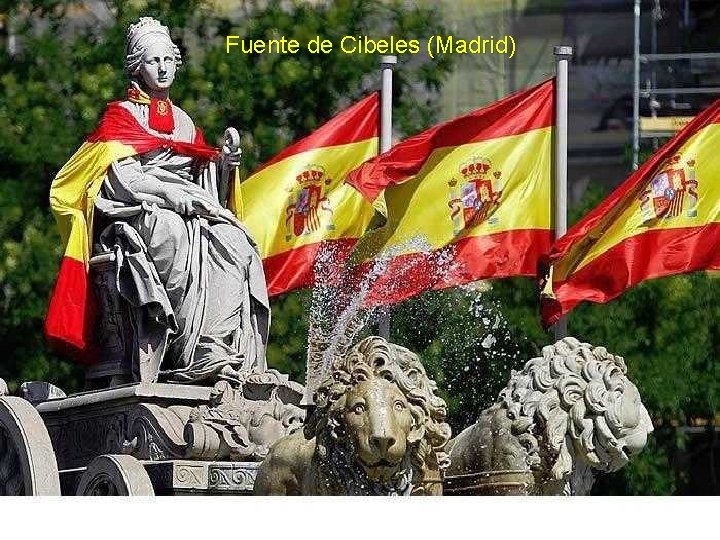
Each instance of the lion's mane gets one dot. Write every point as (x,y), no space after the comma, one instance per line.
(571,395)
(375,357)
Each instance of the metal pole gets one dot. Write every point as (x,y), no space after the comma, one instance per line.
(653,102)
(636,91)
(386,66)
(562,60)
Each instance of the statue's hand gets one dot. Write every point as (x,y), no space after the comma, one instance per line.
(179,201)
(231,156)
(231,152)
(184,203)
(203,208)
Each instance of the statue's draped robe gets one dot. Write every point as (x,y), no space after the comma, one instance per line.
(196,284)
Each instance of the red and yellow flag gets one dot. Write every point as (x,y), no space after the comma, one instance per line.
(663,220)
(479,183)
(298,200)
(69,320)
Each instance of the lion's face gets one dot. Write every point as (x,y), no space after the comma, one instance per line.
(379,426)
(632,423)
(614,424)
(378,421)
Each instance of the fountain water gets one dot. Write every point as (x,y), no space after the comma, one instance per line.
(345,297)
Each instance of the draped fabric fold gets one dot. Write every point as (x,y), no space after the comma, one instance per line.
(194,280)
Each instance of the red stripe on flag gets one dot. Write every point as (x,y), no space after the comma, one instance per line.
(71,313)
(119,125)
(357,123)
(649,255)
(498,255)
(294,269)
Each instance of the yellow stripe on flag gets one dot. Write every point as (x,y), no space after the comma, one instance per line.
(435,204)
(73,193)
(275,197)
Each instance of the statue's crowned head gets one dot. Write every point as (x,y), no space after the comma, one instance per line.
(151,56)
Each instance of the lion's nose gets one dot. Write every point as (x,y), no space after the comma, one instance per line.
(382,443)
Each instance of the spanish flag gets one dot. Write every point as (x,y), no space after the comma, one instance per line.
(663,220)
(70,316)
(479,184)
(298,200)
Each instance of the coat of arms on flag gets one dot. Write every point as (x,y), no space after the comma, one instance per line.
(308,200)
(297,202)
(672,191)
(446,198)
(475,197)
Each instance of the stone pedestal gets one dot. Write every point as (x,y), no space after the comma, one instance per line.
(143,420)
(171,477)
(168,438)
(180,477)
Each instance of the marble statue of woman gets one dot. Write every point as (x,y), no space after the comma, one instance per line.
(184,262)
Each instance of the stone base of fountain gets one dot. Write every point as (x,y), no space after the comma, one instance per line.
(125,475)
(490,483)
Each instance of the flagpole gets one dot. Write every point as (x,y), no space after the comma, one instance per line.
(562,61)
(636,88)
(386,68)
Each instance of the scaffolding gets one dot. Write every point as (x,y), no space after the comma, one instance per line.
(650,127)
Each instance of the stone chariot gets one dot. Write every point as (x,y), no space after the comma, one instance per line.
(143,439)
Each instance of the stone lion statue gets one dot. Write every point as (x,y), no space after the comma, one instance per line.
(566,414)
(378,429)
